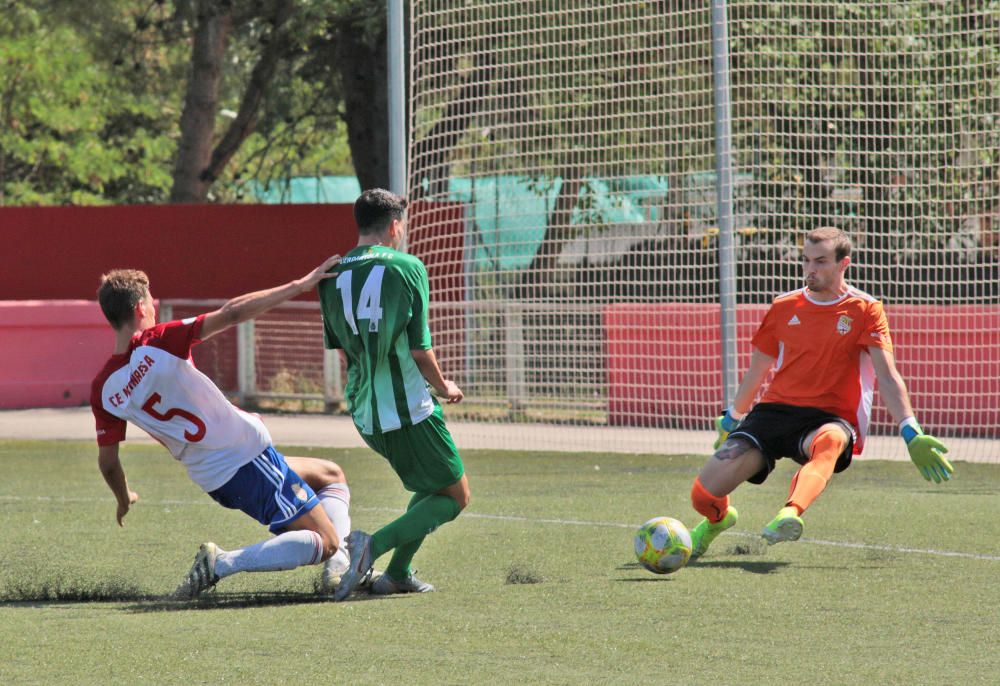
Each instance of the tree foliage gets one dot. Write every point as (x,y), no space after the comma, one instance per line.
(70,131)
(896,100)
(113,101)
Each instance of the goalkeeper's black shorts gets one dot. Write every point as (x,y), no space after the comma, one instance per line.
(779,431)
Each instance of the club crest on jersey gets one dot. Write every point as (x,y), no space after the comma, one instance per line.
(844,324)
(300,493)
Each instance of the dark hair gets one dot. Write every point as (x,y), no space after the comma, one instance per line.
(375,209)
(120,291)
(841,241)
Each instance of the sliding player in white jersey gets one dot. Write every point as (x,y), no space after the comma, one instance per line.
(151,381)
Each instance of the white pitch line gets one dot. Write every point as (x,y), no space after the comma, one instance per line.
(900,549)
(109,499)
(813,541)
(561,522)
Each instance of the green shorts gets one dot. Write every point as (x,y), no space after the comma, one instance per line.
(423,455)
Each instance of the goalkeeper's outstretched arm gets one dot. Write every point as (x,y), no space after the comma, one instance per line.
(926,451)
(760,365)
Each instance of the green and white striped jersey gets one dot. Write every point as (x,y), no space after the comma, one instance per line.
(376,310)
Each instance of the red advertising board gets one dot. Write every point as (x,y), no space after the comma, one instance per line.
(664,364)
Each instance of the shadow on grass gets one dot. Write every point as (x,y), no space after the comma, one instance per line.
(62,592)
(752,566)
(229,601)
(39,591)
(646,574)
(152,603)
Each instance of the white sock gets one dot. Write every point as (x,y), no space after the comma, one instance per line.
(287,551)
(336,502)
(339,562)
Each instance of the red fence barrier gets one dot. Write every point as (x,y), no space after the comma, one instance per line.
(665,369)
(50,351)
(53,337)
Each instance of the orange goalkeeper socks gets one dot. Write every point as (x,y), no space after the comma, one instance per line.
(812,478)
(712,506)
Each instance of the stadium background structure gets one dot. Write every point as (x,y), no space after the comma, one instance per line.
(878,117)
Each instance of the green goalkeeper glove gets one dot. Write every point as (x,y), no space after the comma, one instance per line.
(926,452)
(724,424)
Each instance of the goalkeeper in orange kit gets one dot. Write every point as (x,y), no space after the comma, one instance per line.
(828,343)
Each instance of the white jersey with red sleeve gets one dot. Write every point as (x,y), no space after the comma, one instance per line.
(155,385)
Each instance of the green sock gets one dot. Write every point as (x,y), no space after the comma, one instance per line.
(402,555)
(399,564)
(426,512)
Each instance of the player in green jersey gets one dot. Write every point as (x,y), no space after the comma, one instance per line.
(375,309)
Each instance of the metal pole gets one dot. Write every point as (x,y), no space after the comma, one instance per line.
(397,99)
(333,387)
(246,361)
(471,228)
(724,198)
(514,357)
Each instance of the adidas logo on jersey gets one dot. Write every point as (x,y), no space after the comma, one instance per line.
(794,321)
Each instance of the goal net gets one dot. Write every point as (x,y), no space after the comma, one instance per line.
(576,290)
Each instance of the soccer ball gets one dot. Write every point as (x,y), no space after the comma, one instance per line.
(662,545)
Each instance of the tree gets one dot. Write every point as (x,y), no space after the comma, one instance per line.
(357,56)
(897,100)
(197,163)
(226,94)
(315,65)
(69,131)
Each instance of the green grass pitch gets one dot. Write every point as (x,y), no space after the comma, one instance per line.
(896,581)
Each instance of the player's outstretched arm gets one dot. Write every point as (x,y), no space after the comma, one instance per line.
(428,365)
(114,476)
(250,305)
(926,452)
(760,365)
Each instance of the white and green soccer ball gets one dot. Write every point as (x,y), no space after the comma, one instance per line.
(663,545)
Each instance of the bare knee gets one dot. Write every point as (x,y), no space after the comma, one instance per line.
(329,473)
(459,491)
(318,522)
(335,473)
(734,462)
(317,472)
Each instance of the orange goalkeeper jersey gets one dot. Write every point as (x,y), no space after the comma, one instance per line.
(822,353)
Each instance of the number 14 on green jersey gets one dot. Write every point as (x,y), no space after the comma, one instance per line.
(369,300)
